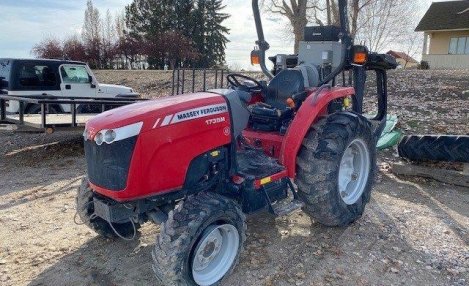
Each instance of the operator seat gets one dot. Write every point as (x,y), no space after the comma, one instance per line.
(274,113)
(283,86)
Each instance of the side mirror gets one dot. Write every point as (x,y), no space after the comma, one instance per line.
(91,82)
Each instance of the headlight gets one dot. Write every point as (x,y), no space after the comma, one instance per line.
(99,138)
(110,136)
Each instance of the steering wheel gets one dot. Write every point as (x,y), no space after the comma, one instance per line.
(234,80)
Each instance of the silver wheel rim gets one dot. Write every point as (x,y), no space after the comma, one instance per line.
(354,171)
(215,254)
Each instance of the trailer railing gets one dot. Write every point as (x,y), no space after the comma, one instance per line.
(195,80)
(40,121)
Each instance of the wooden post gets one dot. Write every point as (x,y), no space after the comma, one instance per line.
(21,112)
(3,109)
(74,114)
(43,115)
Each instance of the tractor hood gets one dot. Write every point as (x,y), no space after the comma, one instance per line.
(158,113)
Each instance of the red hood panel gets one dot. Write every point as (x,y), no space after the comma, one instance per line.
(150,111)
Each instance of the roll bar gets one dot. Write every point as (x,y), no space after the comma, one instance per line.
(261,42)
(264,45)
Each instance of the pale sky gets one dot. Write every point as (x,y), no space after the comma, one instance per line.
(26,22)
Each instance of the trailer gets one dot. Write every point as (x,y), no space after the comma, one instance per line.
(48,122)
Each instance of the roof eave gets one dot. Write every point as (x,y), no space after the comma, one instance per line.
(441,30)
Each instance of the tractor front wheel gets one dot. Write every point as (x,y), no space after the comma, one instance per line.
(201,241)
(336,167)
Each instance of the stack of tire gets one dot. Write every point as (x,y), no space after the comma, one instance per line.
(449,148)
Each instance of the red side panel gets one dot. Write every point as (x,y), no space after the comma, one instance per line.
(309,112)
(166,155)
(271,142)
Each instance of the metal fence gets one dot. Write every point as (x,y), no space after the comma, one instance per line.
(195,80)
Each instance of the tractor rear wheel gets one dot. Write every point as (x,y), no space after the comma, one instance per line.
(201,241)
(336,167)
(85,210)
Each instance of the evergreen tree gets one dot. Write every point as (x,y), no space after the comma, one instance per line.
(214,34)
(198,22)
(199,31)
(182,17)
(145,21)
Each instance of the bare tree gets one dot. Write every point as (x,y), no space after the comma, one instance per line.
(356,8)
(301,12)
(296,11)
(375,23)
(49,48)
(91,34)
(128,48)
(333,16)
(411,44)
(385,22)
(108,41)
(73,49)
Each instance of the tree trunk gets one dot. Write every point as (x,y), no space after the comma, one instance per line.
(172,64)
(354,18)
(335,13)
(299,36)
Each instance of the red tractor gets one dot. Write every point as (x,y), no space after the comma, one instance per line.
(198,163)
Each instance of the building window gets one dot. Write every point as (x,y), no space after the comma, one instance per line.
(459,46)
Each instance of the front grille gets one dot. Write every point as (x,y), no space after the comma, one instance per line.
(108,164)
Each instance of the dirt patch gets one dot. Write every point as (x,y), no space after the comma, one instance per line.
(413,232)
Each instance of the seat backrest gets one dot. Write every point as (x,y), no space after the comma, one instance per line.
(310,75)
(283,86)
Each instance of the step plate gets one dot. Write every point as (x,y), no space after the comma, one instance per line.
(283,209)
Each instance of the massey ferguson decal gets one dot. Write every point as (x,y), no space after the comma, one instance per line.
(191,114)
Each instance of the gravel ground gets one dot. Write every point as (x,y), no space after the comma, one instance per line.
(414,231)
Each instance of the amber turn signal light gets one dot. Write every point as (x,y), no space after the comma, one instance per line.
(360,55)
(291,103)
(255,58)
(360,58)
